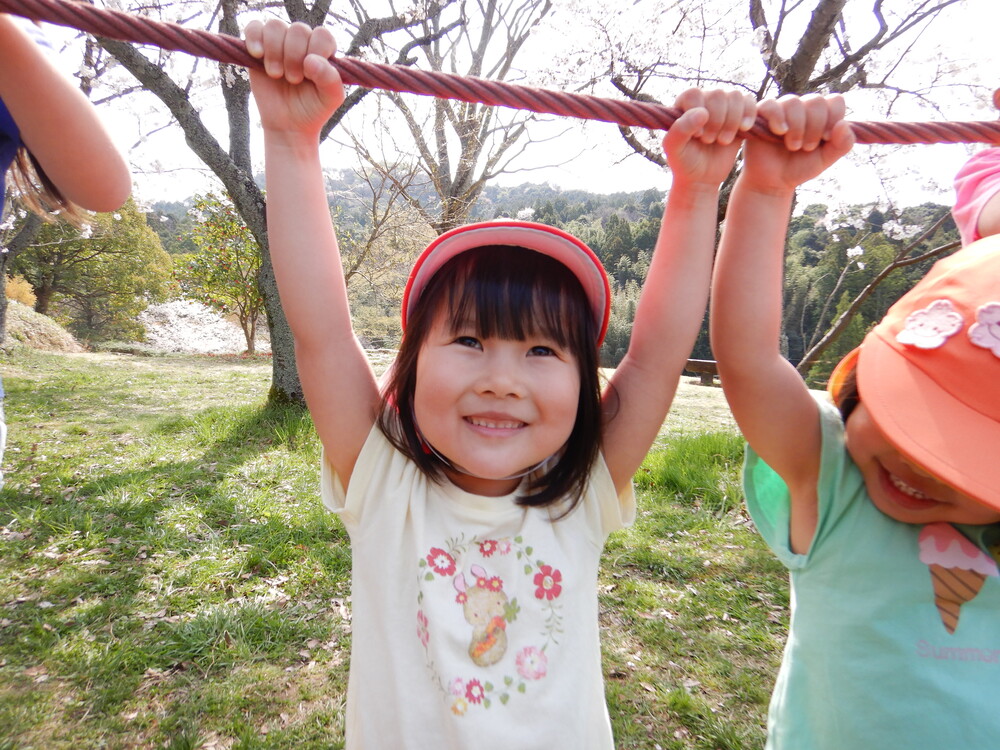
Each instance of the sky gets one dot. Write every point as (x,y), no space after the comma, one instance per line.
(921,172)
(591,155)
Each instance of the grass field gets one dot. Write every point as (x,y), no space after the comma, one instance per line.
(170,579)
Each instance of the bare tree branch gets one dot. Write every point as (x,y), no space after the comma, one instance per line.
(901,260)
(462,145)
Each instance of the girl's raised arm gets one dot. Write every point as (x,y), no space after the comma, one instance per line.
(59,125)
(296,95)
(701,147)
(768,397)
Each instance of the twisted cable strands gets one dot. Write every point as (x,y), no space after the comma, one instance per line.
(226,49)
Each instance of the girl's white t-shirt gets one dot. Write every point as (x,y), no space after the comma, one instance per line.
(474,621)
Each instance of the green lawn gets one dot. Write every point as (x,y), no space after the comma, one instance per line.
(172,581)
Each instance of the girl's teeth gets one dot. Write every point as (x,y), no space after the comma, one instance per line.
(495,425)
(902,486)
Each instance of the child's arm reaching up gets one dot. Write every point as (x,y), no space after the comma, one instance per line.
(768,398)
(58,124)
(701,147)
(296,96)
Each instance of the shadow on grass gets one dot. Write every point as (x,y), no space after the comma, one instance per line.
(122,580)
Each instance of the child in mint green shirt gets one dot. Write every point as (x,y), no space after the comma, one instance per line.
(885,504)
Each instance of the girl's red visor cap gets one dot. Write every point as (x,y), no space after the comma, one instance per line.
(563,247)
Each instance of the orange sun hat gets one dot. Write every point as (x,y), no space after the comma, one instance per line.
(929,372)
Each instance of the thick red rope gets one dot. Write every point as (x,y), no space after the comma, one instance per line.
(227,49)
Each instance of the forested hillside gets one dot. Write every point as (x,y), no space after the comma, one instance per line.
(833,256)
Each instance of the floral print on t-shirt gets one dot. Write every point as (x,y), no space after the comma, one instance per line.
(505,654)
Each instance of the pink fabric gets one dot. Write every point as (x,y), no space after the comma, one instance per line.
(975,184)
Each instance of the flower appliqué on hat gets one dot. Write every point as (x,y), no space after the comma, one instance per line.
(931,327)
(985,332)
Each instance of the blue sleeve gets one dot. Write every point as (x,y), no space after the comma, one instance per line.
(10,142)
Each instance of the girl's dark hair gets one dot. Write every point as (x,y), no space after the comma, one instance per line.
(847,397)
(510,293)
(36,192)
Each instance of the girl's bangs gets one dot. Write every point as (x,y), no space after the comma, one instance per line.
(513,293)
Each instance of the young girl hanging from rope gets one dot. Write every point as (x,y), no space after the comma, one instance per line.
(479,484)
(51,142)
(885,506)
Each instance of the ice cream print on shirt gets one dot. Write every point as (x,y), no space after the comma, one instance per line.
(958,569)
(468,595)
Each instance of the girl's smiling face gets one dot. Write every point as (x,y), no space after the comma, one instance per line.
(901,489)
(493,406)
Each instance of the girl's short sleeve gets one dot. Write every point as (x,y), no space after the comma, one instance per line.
(837,487)
(616,510)
(769,504)
(375,459)
(975,184)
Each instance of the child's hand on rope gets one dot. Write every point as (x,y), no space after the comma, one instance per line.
(299,89)
(702,144)
(815,135)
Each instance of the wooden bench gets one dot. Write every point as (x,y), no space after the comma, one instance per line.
(705,369)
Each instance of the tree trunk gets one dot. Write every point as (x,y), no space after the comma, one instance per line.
(43,296)
(237,179)
(249,326)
